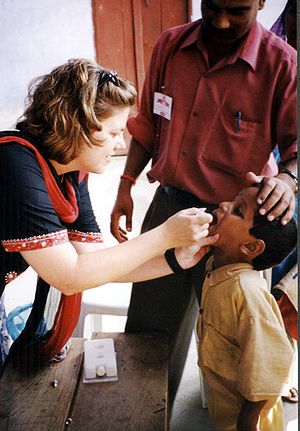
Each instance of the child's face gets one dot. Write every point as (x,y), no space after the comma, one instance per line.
(232,221)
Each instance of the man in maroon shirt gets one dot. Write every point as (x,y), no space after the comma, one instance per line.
(219,95)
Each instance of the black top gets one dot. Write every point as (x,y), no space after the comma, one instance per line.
(28,218)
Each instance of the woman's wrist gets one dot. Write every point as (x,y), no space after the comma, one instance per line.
(172,261)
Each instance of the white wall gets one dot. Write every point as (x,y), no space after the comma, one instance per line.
(36,36)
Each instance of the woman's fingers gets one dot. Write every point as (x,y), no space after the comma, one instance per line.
(187,227)
(209,240)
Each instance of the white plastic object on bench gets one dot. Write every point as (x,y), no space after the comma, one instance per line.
(100,363)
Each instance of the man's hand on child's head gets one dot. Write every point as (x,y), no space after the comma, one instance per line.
(275,197)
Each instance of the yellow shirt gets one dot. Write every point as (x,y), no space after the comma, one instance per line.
(243,347)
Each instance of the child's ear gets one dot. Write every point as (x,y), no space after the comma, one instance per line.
(253,248)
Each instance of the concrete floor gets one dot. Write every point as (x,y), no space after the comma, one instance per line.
(188,413)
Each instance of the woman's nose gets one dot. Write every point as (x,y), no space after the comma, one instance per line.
(120,144)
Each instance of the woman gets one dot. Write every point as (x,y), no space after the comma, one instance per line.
(76,116)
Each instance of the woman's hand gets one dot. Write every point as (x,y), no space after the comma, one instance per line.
(185,228)
(189,256)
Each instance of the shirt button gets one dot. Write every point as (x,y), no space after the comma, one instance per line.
(196,114)
(184,152)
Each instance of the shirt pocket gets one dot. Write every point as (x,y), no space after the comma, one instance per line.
(219,354)
(235,142)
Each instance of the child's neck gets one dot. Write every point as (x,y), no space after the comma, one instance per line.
(220,260)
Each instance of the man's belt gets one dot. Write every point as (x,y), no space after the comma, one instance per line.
(187,199)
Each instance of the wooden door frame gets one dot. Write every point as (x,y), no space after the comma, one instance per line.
(131,13)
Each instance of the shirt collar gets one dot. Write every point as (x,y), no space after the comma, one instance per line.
(248,51)
(250,48)
(194,36)
(215,276)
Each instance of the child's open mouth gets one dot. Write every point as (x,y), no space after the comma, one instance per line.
(214,222)
(215,218)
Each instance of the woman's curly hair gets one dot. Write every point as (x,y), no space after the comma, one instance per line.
(66,106)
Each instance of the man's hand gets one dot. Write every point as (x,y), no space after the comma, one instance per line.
(136,161)
(276,197)
(123,206)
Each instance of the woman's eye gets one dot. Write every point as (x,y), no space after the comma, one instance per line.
(116,135)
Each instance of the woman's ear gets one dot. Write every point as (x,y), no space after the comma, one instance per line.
(253,248)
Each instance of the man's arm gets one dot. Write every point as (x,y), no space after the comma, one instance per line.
(137,160)
(277,195)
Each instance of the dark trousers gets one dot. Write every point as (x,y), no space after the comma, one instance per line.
(169,304)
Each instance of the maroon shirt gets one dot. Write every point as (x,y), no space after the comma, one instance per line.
(204,148)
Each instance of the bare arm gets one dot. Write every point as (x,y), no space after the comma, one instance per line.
(158,267)
(137,159)
(87,247)
(63,267)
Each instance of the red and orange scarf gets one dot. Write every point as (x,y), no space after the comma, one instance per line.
(67,210)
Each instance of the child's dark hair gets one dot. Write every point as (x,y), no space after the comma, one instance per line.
(280,240)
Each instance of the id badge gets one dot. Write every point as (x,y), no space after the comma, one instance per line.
(162,105)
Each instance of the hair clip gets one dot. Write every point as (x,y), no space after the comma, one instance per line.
(108,75)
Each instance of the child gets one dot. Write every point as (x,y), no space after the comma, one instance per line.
(244,352)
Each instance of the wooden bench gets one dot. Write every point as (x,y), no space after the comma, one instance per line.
(137,401)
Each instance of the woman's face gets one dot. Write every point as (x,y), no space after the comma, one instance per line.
(96,158)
